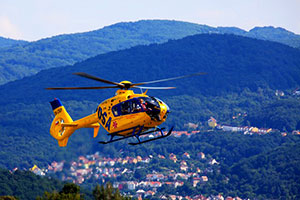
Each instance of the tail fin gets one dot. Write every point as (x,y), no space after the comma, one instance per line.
(62,126)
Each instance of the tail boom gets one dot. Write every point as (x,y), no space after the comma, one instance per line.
(63,126)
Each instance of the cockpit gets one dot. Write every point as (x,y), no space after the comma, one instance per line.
(149,105)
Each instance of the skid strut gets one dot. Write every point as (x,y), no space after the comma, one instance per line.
(137,132)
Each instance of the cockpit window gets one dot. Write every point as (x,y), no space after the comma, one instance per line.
(135,105)
(127,107)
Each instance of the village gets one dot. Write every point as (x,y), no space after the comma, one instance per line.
(119,171)
(101,169)
(122,171)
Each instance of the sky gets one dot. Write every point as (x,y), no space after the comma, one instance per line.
(32,20)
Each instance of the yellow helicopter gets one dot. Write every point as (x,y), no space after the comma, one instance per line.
(123,116)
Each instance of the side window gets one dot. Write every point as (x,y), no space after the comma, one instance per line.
(135,105)
(115,110)
(127,107)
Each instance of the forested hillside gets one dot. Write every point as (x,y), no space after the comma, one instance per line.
(6,42)
(268,175)
(242,75)
(275,34)
(232,64)
(19,61)
(262,167)
(29,58)
(25,184)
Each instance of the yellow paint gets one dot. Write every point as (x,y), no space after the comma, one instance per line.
(63,126)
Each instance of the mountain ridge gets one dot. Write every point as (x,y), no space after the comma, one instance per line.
(7,42)
(24,60)
(226,56)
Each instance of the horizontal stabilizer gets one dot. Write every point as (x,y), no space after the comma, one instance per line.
(69,124)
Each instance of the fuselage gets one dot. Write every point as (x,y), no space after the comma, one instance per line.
(126,110)
(122,115)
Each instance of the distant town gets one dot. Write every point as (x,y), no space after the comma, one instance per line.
(92,169)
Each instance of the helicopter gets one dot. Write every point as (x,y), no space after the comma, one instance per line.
(125,115)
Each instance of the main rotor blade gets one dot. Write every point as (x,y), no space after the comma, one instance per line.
(155,88)
(85,75)
(169,79)
(80,88)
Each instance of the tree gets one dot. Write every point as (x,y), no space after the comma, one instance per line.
(70,191)
(107,193)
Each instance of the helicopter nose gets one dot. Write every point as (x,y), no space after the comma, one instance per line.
(165,110)
(168,108)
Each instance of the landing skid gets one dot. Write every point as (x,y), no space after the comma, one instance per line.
(137,132)
(152,139)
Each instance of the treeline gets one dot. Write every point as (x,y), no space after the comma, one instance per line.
(27,186)
(72,191)
(6,42)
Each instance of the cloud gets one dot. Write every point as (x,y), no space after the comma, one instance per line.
(8,29)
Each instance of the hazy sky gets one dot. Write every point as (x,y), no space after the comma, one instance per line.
(36,19)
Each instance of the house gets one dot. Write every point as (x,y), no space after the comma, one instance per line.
(203,179)
(57,166)
(146,160)
(173,157)
(279,93)
(184,168)
(229,128)
(139,158)
(179,133)
(140,192)
(296,92)
(155,184)
(111,162)
(212,122)
(149,193)
(181,175)
(79,180)
(131,185)
(172,197)
(199,197)
(213,162)
(196,180)
(186,155)
(201,155)
(183,163)
(296,132)
(152,177)
(191,125)
(283,134)
(198,170)
(37,171)
(219,197)
(195,132)
(178,183)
